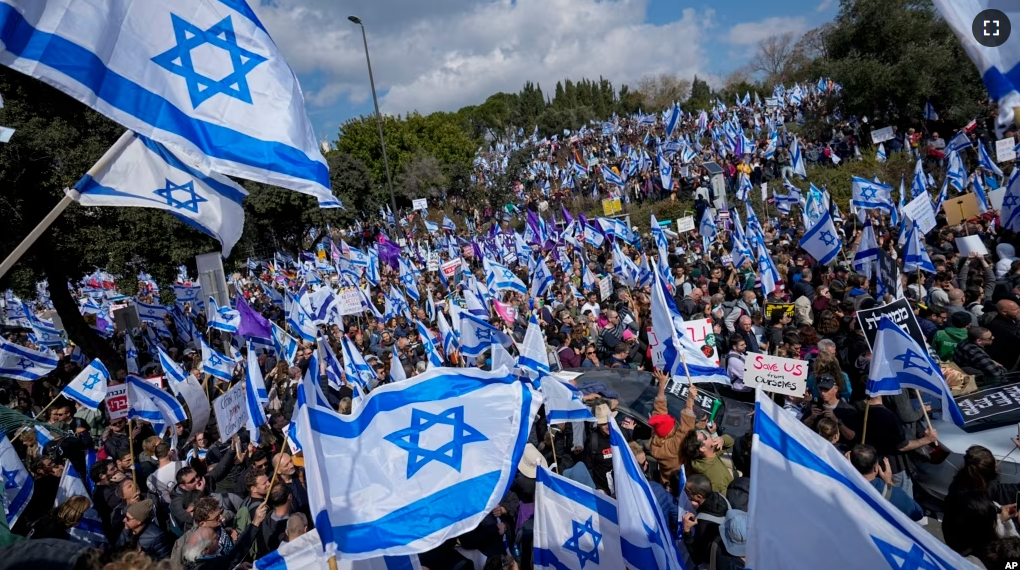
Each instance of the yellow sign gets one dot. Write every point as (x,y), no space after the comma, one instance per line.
(611,206)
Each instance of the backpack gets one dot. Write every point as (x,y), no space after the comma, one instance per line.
(727,309)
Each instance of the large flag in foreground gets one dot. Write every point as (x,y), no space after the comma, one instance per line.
(802,483)
(203,78)
(576,528)
(418,462)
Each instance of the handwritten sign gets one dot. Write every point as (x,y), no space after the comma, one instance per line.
(605,288)
(919,209)
(703,336)
(784,307)
(348,301)
(1005,149)
(776,374)
(433,263)
(231,411)
(882,135)
(117,402)
(420,204)
(901,314)
(685,224)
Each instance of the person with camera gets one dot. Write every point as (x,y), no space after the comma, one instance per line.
(830,405)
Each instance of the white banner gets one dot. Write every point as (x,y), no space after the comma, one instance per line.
(1005,149)
(685,224)
(882,135)
(703,336)
(231,411)
(776,374)
(348,301)
(919,210)
(420,204)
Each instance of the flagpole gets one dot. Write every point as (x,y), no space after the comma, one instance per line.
(70,195)
(924,410)
(47,406)
(131,448)
(864,434)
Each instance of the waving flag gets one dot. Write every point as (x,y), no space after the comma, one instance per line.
(899,362)
(611,177)
(477,335)
(397,373)
(929,112)
(90,527)
(449,338)
(159,408)
(744,187)
(563,402)
(299,320)
(533,360)
(986,162)
(131,354)
(822,240)
(959,142)
(679,356)
(868,194)
(243,117)
(802,482)
(881,156)
(645,539)
(797,158)
(334,367)
(542,279)
(665,172)
(1010,214)
(382,481)
(956,172)
(707,229)
(255,395)
(215,363)
(915,256)
(46,334)
(448,224)
(429,345)
(18,484)
(357,368)
(867,251)
(223,318)
(576,528)
(766,270)
(979,193)
(23,363)
(286,346)
(140,172)
(89,387)
(499,277)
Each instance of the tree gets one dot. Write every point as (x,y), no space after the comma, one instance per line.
(773,57)
(422,177)
(660,91)
(701,95)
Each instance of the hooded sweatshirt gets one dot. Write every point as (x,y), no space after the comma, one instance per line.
(945,341)
(1007,254)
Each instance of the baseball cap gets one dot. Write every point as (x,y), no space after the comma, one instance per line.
(825,382)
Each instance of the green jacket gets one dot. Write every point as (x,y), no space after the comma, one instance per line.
(945,341)
(714,468)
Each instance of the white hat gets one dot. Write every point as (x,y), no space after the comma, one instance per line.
(530,461)
(602,414)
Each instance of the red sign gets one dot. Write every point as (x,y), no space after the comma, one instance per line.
(117,402)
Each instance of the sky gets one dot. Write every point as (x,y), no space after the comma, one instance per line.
(441,55)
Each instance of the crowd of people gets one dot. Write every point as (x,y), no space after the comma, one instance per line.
(186,499)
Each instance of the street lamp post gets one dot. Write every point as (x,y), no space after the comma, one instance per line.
(378,116)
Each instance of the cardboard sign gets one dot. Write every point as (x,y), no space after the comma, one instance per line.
(420,204)
(1005,150)
(117,402)
(450,268)
(968,244)
(784,307)
(961,208)
(348,301)
(231,411)
(433,263)
(605,288)
(989,402)
(685,224)
(882,135)
(901,314)
(703,336)
(611,206)
(776,374)
(919,210)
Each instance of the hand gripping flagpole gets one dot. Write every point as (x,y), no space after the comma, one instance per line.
(71,195)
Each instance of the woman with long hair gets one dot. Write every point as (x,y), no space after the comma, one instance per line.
(980,472)
(58,522)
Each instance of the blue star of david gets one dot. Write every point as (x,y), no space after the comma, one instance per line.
(915,559)
(1010,201)
(93,379)
(190,203)
(868,193)
(827,238)
(508,274)
(177,60)
(573,544)
(24,363)
(451,453)
(132,353)
(301,319)
(9,478)
(907,358)
(215,360)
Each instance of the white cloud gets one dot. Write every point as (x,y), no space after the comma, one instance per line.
(825,5)
(750,33)
(457,52)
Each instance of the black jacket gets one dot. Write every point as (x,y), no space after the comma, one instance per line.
(153,542)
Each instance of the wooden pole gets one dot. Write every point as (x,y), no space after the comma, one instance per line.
(271,482)
(864,434)
(39,415)
(131,448)
(923,409)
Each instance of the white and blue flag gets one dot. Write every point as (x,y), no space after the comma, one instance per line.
(665,172)
(90,527)
(563,401)
(1010,214)
(869,194)
(499,277)
(149,403)
(23,363)
(797,158)
(576,528)
(130,354)
(880,156)
(915,256)
(898,362)
(986,162)
(477,335)
(866,255)
(435,360)
(255,395)
(533,360)
(929,112)
(767,271)
(142,173)
(18,484)
(223,318)
(89,387)
(542,280)
(215,363)
(448,336)
(822,240)
(285,345)
(802,483)
(299,320)
(203,78)
(417,463)
(358,370)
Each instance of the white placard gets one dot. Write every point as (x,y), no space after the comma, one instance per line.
(702,335)
(117,402)
(776,374)
(919,210)
(348,301)
(605,288)
(450,268)
(1005,150)
(231,411)
(764,191)
(433,262)
(5,134)
(995,198)
(882,135)
(685,224)
(420,204)
(968,244)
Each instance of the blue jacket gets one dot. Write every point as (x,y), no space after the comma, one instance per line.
(900,499)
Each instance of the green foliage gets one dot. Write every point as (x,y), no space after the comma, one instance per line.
(701,95)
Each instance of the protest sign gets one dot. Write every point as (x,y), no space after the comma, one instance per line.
(231,411)
(348,301)
(919,210)
(685,224)
(764,191)
(433,262)
(705,401)
(703,336)
(450,268)
(961,208)
(784,307)
(611,206)
(773,102)
(1005,149)
(468,251)
(989,402)
(776,374)
(968,244)
(117,402)
(605,288)
(420,204)
(901,314)
(882,135)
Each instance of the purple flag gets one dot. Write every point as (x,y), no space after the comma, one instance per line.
(566,215)
(253,325)
(389,253)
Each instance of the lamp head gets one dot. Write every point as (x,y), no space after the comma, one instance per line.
(354,19)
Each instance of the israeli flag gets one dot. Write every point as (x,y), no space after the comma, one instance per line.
(593,236)
(867,251)
(533,360)
(707,228)
(242,114)
(899,362)
(448,224)
(542,280)
(299,320)
(18,484)
(744,188)
(357,368)
(334,366)
(985,161)
(149,403)
(766,270)
(798,159)
(929,112)
(956,172)
(429,345)
(563,401)
(255,395)
(477,335)
(46,334)
(286,346)
(90,527)
(417,463)
(89,387)
(959,142)
(881,156)
(216,364)
(868,194)
(665,172)
(130,353)
(802,483)
(449,338)
(139,172)
(576,528)
(611,177)
(645,539)
(1010,214)
(23,363)
(915,256)
(431,227)
(979,192)
(679,356)
(499,278)
(822,240)
(223,318)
